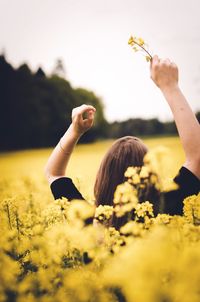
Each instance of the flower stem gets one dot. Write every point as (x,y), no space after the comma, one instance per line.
(144,50)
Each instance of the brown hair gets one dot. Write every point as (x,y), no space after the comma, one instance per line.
(125,152)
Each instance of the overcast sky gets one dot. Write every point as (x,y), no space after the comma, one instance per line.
(90,36)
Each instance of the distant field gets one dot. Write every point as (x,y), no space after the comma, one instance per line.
(26,167)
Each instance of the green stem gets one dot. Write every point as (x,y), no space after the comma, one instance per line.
(144,50)
(9,220)
(17,223)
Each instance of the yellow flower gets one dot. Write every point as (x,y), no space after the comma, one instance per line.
(131,40)
(140,41)
(131,171)
(158,160)
(153,179)
(132,228)
(79,211)
(144,173)
(148,59)
(136,179)
(125,193)
(122,209)
(144,209)
(62,202)
(169,185)
(103,213)
(139,44)
(162,219)
(191,209)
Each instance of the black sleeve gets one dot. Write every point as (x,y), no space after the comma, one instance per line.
(64,187)
(188,184)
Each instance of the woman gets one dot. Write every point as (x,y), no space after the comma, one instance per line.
(130,151)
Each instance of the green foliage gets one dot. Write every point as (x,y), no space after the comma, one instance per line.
(143,127)
(36,109)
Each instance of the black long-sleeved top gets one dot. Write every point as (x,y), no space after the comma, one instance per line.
(172,203)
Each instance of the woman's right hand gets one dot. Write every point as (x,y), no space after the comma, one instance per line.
(164,73)
(81,123)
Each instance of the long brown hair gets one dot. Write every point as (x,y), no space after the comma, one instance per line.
(125,152)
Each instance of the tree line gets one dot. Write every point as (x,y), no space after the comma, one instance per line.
(35,110)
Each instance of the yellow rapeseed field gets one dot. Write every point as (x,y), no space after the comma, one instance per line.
(48,251)
(20,168)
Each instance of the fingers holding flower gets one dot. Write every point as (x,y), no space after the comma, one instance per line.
(164,73)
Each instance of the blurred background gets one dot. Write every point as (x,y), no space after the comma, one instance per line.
(56,55)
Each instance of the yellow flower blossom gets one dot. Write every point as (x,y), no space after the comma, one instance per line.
(144,209)
(121,209)
(162,219)
(192,209)
(125,193)
(140,41)
(79,211)
(144,173)
(62,202)
(138,44)
(136,179)
(103,213)
(132,228)
(130,172)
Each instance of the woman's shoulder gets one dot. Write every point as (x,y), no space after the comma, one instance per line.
(187,181)
(64,187)
(188,184)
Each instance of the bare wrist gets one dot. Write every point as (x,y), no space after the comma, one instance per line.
(168,90)
(74,132)
(69,140)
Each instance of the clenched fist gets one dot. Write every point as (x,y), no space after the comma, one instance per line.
(82,118)
(164,73)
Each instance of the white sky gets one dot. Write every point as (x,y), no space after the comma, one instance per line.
(90,36)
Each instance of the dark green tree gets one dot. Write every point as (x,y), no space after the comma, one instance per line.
(36,109)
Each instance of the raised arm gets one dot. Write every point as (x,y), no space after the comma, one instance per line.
(59,158)
(164,73)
